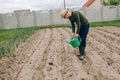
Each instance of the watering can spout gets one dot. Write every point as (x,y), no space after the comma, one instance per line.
(69,42)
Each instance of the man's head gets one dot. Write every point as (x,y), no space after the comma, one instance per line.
(65,13)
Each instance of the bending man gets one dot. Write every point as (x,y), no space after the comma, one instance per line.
(82,23)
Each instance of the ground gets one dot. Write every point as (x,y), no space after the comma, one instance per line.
(47,56)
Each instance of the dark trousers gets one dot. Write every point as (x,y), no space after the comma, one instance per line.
(83,34)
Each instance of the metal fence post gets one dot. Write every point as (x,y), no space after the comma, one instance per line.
(118,12)
(101,10)
(34,18)
(1,21)
(51,17)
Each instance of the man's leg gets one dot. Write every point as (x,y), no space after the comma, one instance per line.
(83,35)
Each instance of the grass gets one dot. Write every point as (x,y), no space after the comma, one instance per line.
(11,38)
(7,34)
(105,23)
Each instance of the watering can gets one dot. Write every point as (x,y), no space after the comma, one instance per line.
(74,42)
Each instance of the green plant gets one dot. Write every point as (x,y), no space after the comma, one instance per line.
(9,43)
(111,2)
(105,23)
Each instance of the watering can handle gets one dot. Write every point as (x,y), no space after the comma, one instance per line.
(79,38)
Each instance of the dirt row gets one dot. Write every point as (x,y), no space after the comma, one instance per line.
(47,56)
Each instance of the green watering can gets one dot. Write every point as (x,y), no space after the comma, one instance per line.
(75,42)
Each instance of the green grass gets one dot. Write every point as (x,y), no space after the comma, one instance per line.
(105,23)
(11,38)
(7,34)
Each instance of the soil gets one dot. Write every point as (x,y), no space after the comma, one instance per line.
(47,56)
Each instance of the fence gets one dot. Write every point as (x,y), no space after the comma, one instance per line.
(50,17)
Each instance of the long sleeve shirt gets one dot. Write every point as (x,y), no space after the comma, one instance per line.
(79,19)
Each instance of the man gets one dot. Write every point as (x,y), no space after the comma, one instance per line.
(82,23)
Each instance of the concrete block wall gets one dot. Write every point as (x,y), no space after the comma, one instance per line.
(42,18)
(26,21)
(93,15)
(9,22)
(109,13)
(51,17)
(56,18)
(83,11)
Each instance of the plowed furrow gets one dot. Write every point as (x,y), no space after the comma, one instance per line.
(109,43)
(108,36)
(85,63)
(52,70)
(47,56)
(72,68)
(112,59)
(39,73)
(99,67)
(29,68)
(15,62)
(113,38)
(111,30)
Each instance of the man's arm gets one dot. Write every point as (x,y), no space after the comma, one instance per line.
(78,23)
(73,27)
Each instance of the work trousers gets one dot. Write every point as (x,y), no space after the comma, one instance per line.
(83,34)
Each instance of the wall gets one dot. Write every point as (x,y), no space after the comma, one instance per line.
(1,21)
(26,20)
(118,12)
(9,22)
(51,17)
(110,13)
(93,14)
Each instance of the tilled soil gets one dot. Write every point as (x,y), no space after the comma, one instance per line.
(47,56)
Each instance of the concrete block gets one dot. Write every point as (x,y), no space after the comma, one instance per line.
(43,18)
(10,22)
(93,14)
(109,13)
(26,20)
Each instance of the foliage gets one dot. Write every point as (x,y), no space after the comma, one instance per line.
(111,2)
(12,39)
(106,23)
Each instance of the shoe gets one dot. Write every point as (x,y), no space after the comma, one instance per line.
(81,57)
(82,53)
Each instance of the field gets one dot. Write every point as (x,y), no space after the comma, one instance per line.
(47,56)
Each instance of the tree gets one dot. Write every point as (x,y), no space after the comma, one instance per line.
(111,2)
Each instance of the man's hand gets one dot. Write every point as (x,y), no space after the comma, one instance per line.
(75,35)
